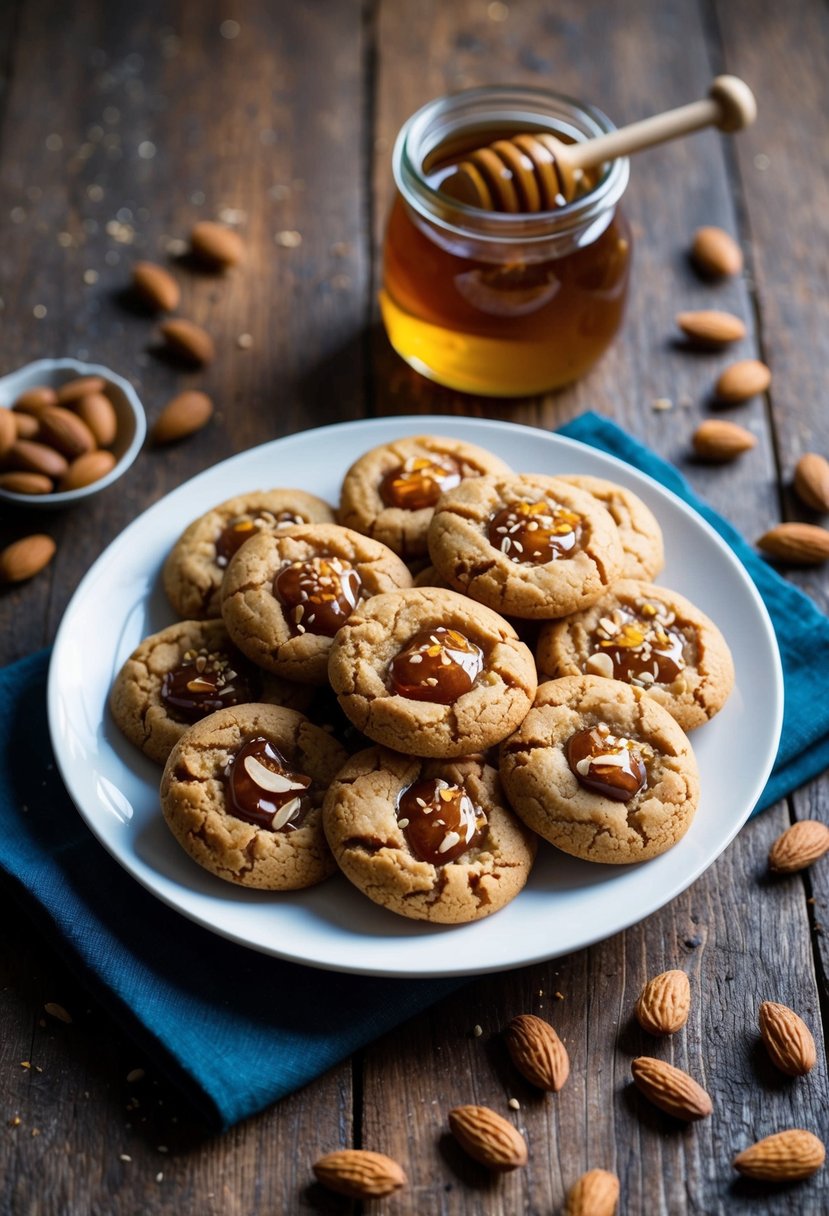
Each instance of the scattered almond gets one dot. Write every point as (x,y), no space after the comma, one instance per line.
(711,328)
(716,253)
(720,441)
(186,413)
(90,467)
(188,340)
(800,845)
(742,380)
(156,286)
(26,483)
(784,1157)
(799,544)
(65,430)
(26,557)
(8,430)
(33,457)
(665,1003)
(72,390)
(36,399)
(537,1052)
(98,412)
(57,1011)
(488,1138)
(596,1193)
(217,245)
(360,1174)
(26,424)
(788,1039)
(671,1089)
(811,481)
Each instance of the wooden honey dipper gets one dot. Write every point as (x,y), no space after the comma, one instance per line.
(537,172)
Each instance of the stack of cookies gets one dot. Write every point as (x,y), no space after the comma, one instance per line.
(417,603)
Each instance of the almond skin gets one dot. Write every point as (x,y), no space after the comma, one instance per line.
(715,253)
(798,544)
(665,1003)
(34,457)
(596,1193)
(155,286)
(186,413)
(488,1138)
(26,557)
(8,430)
(719,441)
(64,430)
(811,481)
(711,328)
(360,1174)
(788,1039)
(189,341)
(671,1089)
(537,1052)
(741,381)
(36,399)
(26,424)
(26,483)
(217,245)
(72,390)
(784,1157)
(800,845)
(98,412)
(90,467)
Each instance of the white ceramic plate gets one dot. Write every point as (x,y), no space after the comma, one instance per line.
(568,903)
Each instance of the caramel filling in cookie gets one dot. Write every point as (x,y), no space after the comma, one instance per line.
(638,647)
(203,682)
(419,482)
(317,595)
(262,790)
(243,527)
(437,665)
(607,764)
(440,821)
(534,533)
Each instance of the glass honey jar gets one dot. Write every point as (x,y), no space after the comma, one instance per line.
(499,304)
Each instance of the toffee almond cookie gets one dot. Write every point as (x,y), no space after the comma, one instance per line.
(601,771)
(639,531)
(391,492)
(650,637)
(430,673)
(242,793)
(528,546)
(429,839)
(195,567)
(183,673)
(286,594)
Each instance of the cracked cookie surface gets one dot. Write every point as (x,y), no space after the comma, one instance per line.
(367,836)
(476,554)
(643,552)
(196,803)
(544,791)
(651,636)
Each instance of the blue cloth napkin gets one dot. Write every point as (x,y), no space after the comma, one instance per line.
(235,1029)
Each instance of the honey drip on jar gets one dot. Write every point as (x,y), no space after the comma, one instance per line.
(438,665)
(439,820)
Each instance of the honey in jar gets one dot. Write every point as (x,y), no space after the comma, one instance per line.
(492,303)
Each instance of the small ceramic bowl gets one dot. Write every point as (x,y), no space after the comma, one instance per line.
(132,422)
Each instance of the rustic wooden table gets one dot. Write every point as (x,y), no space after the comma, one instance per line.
(121,125)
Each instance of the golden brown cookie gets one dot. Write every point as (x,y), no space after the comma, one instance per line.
(242,793)
(601,771)
(286,594)
(430,673)
(183,673)
(647,636)
(528,546)
(639,530)
(196,564)
(428,839)
(390,493)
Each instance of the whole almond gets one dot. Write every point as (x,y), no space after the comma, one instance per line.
(217,245)
(742,380)
(71,390)
(665,1003)
(8,430)
(26,483)
(26,425)
(711,328)
(86,469)
(671,1089)
(33,457)
(360,1174)
(188,340)
(155,286)
(488,1138)
(64,430)
(800,845)
(798,544)
(811,481)
(186,413)
(788,1039)
(718,440)
(98,412)
(596,1193)
(716,253)
(26,557)
(537,1052)
(36,399)
(784,1157)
